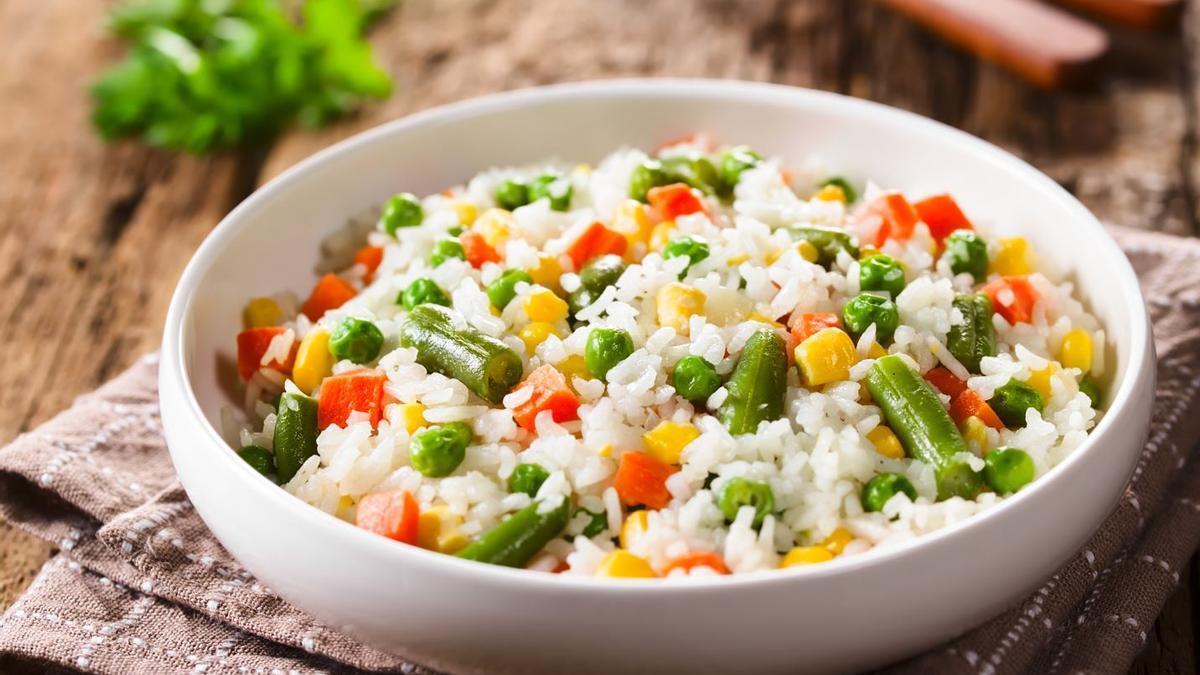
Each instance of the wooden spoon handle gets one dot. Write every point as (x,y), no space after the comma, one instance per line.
(1042,44)
(1140,14)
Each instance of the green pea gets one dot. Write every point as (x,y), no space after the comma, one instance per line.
(512,194)
(1007,470)
(693,169)
(967,253)
(356,340)
(556,188)
(402,210)
(422,291)
(648,174)
(527,478)
(259,458)
(444,249)
(866,309)
(502,291)
(695,379)
(1012,400)
(881,272)
(882,488)
(455,231)
(437,451)
(605,348)
(846,187)
(1089,387)
(694,248)
(739,492)
(596,525)
(734,161)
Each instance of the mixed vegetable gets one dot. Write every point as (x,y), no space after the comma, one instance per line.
(937,417)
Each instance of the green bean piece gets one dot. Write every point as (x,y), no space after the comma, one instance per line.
(1011,400)
(649,174)
(881,272)
(695,378)
(596,525)
(846,187)
(259,458)
(422,291)
(734,162)
(865,309)
(527,478)
(512,194)
(437,451)
(739,492)
(554,187)
(445,249)
(446,344)
(519,537)
(295,433)
(758,384)
(915,413)
(502,291)
(828,241)
(605,348)
(693,169)
(355,340)
(880,489)
(975,337)
(595,276)
(1092,390)
(402,210)
(967,253)
(694,249)
(1007,470)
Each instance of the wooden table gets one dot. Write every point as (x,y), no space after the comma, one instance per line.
(93,237)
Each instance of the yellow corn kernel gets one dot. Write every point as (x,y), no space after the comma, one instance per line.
(772,256)
(1012,257)
(837,540)
(677,303)
(262,312)
(623,564)
(547,272)
(413,415)
(574,366)
(666,441)
(606,451)
(345,507)
(763,318)
(535,334)
(975,431)
(660,236)
(635,525)
(826,356)
(585,169)
(832,193)
(1076,350)
(494,225)
(467,212)
(543,305)
(633,222)
(1040,379)
(313,360)
(807,251)
(437,530)
(885,442)
(806,555)
(737,260)
(876,351)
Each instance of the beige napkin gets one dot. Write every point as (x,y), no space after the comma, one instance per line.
(140,585)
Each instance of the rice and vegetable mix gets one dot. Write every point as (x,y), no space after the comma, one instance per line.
(691,362)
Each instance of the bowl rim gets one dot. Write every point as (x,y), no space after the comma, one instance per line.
(174,372)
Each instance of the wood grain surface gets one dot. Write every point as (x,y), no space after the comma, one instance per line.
(93,237)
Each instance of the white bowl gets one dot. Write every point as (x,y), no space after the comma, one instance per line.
(849,614)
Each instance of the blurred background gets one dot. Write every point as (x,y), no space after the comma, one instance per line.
(94,233)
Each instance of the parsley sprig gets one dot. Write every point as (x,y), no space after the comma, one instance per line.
(203,75)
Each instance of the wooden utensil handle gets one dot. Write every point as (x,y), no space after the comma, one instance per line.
(1141,14)
(1045,45)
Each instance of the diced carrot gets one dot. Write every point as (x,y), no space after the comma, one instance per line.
(596,240)
(695,138)
(897,218)
(369,257)
(691,560)
(804,324)
(674,200)
(330,292)
(550,392)
(1013,297)
(946,382)
(359,390)
(395,515)
(969,403)
(477,249)
(641,479)
(942,215)
(252,345)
